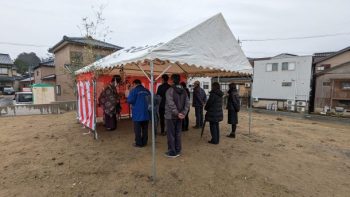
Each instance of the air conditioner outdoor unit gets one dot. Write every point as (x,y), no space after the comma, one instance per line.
(301,103)
(291,108)
(300,109)
(290,102)
(247,85)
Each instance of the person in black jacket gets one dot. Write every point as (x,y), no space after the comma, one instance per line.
(233,107)
(161,92)
(214,112)
(199,99)
(186,121)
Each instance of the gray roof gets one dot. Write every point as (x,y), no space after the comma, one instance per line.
(84,41)
(48,77)
(28,79)
(6,79)
(50,62)
(5,59)
(47,63)
(333,55)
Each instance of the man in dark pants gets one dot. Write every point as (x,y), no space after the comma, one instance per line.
(161,92)
(140,115)
(186,121)
(199,99)
(176,108)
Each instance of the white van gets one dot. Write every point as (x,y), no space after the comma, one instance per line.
(23,98)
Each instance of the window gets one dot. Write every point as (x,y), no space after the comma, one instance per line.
(58,89)
(327,83)
(345,85)
(224,86)
(286,84)
(76,58)
(25,98)
(37,73)
(205,85)
(288,66)
(4,71)
(323,67)
(272,67)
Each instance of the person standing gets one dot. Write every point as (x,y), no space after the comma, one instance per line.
(108,100)
(186,121)
(161,92)
(214,113)
(156,103)
(199,99)
(233,107)
(176,108)
(140,115)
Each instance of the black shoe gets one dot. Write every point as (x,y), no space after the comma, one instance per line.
(210,142)
(170,155)
(136,146)
(231,135)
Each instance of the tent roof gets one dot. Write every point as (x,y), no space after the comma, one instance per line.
(208,49)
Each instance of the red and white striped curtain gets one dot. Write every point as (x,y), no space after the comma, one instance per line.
(86,103)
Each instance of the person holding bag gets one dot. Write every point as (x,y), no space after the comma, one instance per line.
(233,107)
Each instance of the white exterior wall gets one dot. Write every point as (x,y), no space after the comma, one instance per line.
(268,84)
(202,80)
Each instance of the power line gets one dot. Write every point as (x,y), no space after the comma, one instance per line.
(22,44)
(296,38)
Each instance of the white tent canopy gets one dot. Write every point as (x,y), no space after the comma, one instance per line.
(208,49)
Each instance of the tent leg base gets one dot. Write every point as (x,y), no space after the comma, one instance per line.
(94,132)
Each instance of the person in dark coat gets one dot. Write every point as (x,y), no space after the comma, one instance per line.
(233,107)
(108,100)
(156,102)
(161,92)
(140,114)
(186,121)
(198,102)
(214,113)
(176,108)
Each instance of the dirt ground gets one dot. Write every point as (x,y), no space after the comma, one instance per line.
(50,156)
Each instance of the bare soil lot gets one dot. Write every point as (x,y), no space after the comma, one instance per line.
(49,156)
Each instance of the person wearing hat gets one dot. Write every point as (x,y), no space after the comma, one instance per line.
(198,102)
(233,107)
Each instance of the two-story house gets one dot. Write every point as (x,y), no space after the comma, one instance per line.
(45,72)
(282,81)
(332,81)
(8,72)
(72,53)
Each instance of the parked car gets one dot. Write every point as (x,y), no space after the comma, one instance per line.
(23,98)
(8,91)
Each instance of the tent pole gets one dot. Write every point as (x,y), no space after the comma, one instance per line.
(95,110)
(250,104)
(153,133)
(164,71)
(144,71)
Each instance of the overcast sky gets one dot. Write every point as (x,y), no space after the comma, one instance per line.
(137,22)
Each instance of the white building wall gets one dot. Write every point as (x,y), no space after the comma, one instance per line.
(205,83)
(268,84)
